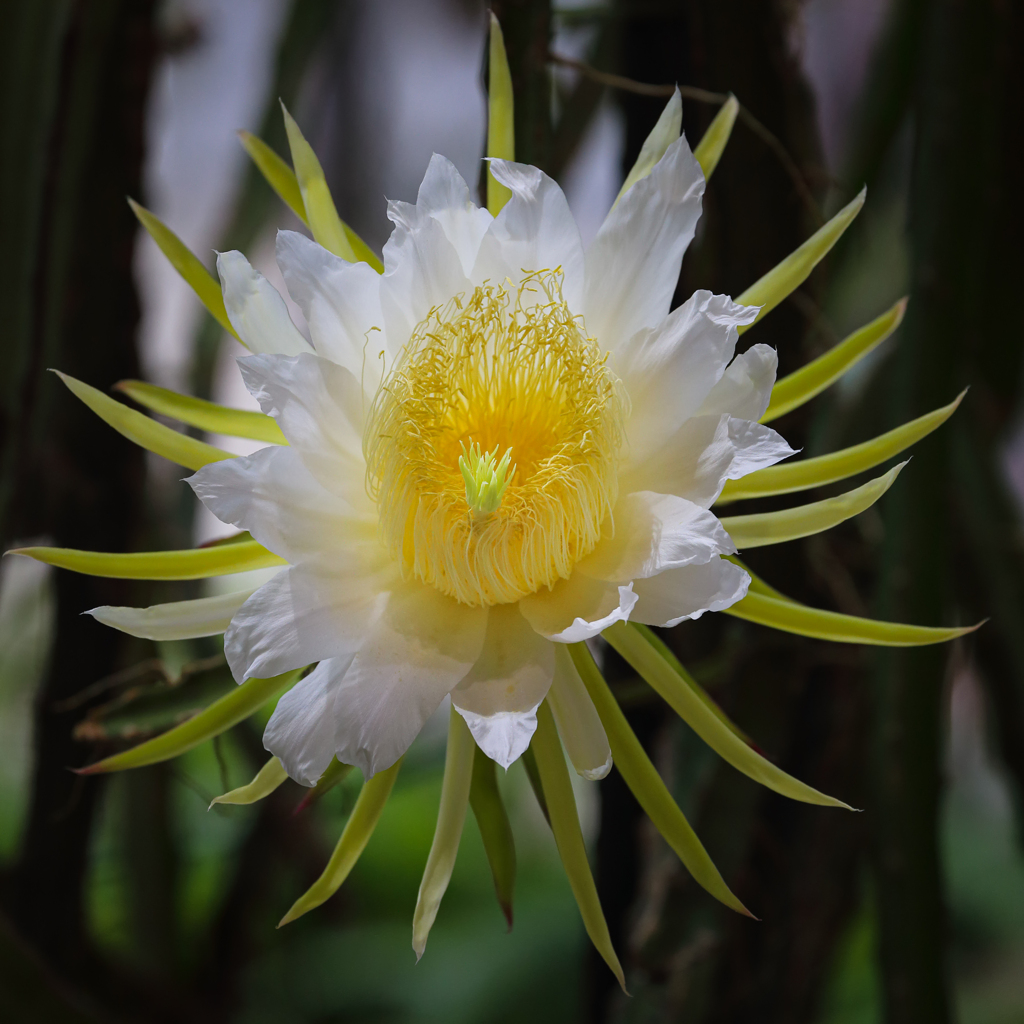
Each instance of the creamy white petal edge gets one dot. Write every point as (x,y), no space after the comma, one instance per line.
(389,650)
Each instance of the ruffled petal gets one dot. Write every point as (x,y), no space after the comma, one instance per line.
(579,725)
(303,730)
(746,386)
(499,696)
(702,454)
(655,532)
(319,407)
(687,593)
(306,614)
(340,301)
(274,496)
(633,263)
(422,270)
(534,231)
(418,649)
(255,308)
(445,196)
(577,608)
(670,370)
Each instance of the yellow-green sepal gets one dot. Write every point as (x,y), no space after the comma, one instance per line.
(711,146)
(186,263)
(790,616)
(801,386)
(266,780)
(358,829)
(762,529)
(664,679)
(783,279)
(220,716)
(451,816)
(144,431)
(665,131)
(665,651)
(321,214)
(189,564)
(501,132)
(647,786)
(495,830)
(827,469)
(276,172)
(565,824)
(197,412)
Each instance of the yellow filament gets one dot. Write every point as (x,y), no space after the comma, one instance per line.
(507,367)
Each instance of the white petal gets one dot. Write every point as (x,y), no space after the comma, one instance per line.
(746,387)
(422,270)
(702,454)
(499,696)
(256,310)
(303,730)
(655,532)
(340,301)
(662,135)
(534,231)
(319,407)
(421,647)
(305,614)
(368,710)
(178,620)
(581,730)
(274,496)
(689,592)
(577,608)
(633,263)
(669,371)
(445,196)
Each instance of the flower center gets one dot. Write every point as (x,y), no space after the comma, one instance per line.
(509,369)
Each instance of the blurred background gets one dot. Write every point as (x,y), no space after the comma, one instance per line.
(124,899)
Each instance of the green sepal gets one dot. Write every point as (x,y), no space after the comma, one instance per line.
(783,279)
(358,829)
(801,386)
(451,817)
(321,214)
(711,146)
(266,780)
(790,616)
(144,431)
(647,786)
(189,564)
(501,133)
(187,264)
(666,652)
(827,469)
(495,830)
(276,172)
(220,716)
(764,528)
(665,131)
(533,774)
(664,679)
(197,412)
(565,824)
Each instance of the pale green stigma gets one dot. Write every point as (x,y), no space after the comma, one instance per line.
(486,478)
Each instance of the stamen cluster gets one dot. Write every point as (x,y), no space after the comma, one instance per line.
(509,367)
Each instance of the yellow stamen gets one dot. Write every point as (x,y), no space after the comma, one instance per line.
(506,367)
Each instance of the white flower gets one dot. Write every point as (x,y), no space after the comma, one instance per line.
(483,335)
